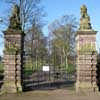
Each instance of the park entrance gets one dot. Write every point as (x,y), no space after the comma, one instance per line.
(47,62)
(48,69)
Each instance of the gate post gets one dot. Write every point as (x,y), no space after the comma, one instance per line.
(13,54)
(86,54)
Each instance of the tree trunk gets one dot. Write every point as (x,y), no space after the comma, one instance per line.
(66,63)
(66,60)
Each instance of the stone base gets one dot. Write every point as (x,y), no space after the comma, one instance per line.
(86,87)
(11,87)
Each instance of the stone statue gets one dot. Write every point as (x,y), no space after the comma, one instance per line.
(15,19)
(85,19)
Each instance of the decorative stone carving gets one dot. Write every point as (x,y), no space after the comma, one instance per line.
(86,55)
(13,54)
(85,19)
(15,19)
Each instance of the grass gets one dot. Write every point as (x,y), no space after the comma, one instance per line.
(28,72)
(71,68)
(29,68)
(1,68)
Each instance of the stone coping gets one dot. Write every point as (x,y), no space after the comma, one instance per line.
(13,32)
(86,52)
(86,32)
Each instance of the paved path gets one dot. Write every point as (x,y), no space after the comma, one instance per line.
(60,94)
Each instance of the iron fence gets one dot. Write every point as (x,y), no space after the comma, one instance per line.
(39,74)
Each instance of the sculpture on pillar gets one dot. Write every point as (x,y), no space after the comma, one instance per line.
(13,54)
(85,19)
(14,27)
(15,19)
(86,55)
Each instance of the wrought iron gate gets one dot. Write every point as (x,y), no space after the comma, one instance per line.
(48,71)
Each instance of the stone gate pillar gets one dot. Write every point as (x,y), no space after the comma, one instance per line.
(86,54)
(13,54)
(12,61)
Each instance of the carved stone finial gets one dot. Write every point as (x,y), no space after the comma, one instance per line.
(85,19)
(15,19)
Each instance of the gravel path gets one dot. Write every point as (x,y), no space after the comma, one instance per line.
(59,94)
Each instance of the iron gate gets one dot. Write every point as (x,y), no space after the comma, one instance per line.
(48,71)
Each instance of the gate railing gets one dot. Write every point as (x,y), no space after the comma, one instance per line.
(37,74)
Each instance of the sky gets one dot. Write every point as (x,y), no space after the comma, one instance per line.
(57,8)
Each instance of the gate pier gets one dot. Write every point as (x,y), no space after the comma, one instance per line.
(86,54)
(13,54)
(12,62)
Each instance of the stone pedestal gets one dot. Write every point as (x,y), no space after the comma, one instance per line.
(86,61)
(13,54)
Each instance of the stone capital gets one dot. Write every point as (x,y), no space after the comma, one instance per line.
(86,32)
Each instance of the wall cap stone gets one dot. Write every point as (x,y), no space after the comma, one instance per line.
(86,32)
(13,32)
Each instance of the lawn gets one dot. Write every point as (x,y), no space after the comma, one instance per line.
(1,68)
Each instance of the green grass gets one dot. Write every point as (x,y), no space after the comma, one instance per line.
(29,68)
(28,72)
(71,68)
(1,68)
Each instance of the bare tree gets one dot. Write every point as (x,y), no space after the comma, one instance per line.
(29,10)
(63,40)
(31,20)
(31,17)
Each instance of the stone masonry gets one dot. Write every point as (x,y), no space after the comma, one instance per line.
(13,62)
(86,62)
(13,53)
(86,54)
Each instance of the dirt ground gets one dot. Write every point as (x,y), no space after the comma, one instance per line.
(59,94)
